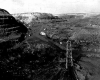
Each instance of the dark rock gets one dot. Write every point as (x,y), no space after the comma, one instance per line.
(12,31)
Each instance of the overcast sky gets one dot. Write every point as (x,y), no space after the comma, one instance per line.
(51,6)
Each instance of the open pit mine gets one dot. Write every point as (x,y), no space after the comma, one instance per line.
(42,46)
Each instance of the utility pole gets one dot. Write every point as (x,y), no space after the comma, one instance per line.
(69,59)
(69,62)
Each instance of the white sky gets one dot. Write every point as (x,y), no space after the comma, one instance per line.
(51,6)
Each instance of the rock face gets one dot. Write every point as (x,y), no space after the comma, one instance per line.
(11,30)
(12,34)
(28,17)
